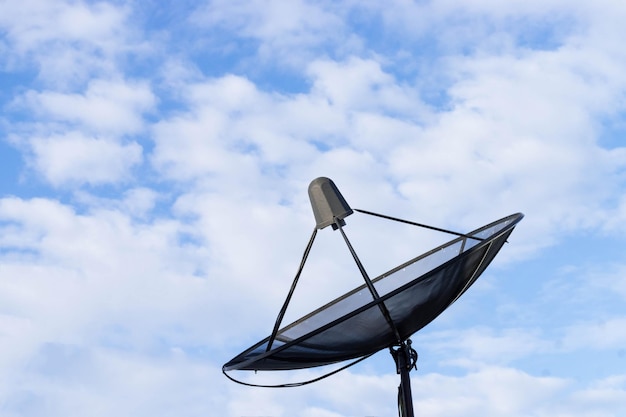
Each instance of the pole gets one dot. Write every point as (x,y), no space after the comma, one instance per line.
(405,358)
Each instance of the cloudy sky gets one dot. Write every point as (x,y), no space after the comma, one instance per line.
(154,163)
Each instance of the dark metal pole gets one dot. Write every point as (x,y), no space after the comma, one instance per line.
(405,384)
(404,356)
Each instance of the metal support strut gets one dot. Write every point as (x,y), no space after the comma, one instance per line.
(405,357)
(281,314)
(370,285)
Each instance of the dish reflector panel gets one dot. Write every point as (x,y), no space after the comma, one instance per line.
(414,293)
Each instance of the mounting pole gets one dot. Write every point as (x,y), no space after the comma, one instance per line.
(405,358)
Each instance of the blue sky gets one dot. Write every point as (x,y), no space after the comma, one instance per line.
(154,162)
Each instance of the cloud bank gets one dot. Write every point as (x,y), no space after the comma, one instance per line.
(159,209)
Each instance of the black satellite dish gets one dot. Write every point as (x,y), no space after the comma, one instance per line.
(382,313)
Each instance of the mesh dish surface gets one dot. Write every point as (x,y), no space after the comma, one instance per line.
(414,293)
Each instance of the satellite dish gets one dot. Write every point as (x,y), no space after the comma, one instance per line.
(383,312)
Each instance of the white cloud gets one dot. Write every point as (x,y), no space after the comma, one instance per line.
(100,277)
(104,382)
(230,129)
(359,84)
(474,347)
(288,32)
(229,118)
(137,202)
(600,335)
(68,41)
(522,133)
(603,397)
(615,221)
(477,25)
(613,280)
(77,159)
(35,22)
(106,107)
(535,154)
(491,391)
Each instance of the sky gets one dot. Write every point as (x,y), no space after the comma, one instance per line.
(154,164)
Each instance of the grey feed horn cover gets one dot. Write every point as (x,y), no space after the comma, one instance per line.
(328,204)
